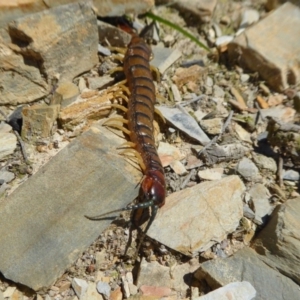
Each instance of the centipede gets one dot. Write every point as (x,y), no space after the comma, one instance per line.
(140,88)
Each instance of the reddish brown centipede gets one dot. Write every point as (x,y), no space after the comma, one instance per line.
(140,113)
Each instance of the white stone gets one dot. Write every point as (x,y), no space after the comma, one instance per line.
(232,291)
(80,287)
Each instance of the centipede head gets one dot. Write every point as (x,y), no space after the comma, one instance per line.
(152,190)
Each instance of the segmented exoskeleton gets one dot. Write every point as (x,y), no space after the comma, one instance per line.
(140,111)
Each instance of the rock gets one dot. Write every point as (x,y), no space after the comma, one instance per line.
(243,134)
(216,154)
(125,286)
(291,175)
(155,275)
(190,223)
(262,56)
(245,78)
(80,287)
(212,126)
(42,253)
(232,291)
(249,17)
(115,36)
(120,8)
(91,292)
(116,294)
(200,10)
(184,122)
(103,288)
(5,128)
(211,174)
(247,169)
(168,153)
(261,205)
(164,58)
(246,265)
(38,121)
(132,289)
(265,163)
(11,10)
(68,92)
(8,141)
(9,292)
(193,162)
(279,240)
(178,168)
(2,297)
(6,176)
(283,113)
(81,112)
(50,51)
(21,82)
(96,83)
(15,119)
(155,291)
(223,41)
(186,75)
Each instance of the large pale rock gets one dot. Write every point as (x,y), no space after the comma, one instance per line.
(10,10)
(194,219)
(246,265)
(42,225)
(59,42)
(271,46)
(279,241)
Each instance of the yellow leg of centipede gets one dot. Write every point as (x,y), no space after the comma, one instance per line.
(119,106)
(137,155)
(112,120)
(127,144)
(118,57)
(156,72)
(118,49)
(114,70)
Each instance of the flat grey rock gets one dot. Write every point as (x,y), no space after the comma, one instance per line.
(42,225)
(194,219)
(261,204)
(279,241)
(184,122)
(246,265)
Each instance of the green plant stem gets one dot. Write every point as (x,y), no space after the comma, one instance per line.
(177,28)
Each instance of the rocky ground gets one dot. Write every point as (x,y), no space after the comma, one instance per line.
(229,145)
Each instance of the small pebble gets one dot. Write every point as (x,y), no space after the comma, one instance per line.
(291,175)
(104,289)
(245,77)
(247,169)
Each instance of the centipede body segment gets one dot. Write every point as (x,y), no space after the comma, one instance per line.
(140,120)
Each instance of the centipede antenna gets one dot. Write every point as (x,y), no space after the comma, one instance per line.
(132,207)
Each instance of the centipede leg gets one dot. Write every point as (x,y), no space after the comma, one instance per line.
(156,72)
(119,106)
(127,144)
(137,155)
(118,49)
(114,70)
